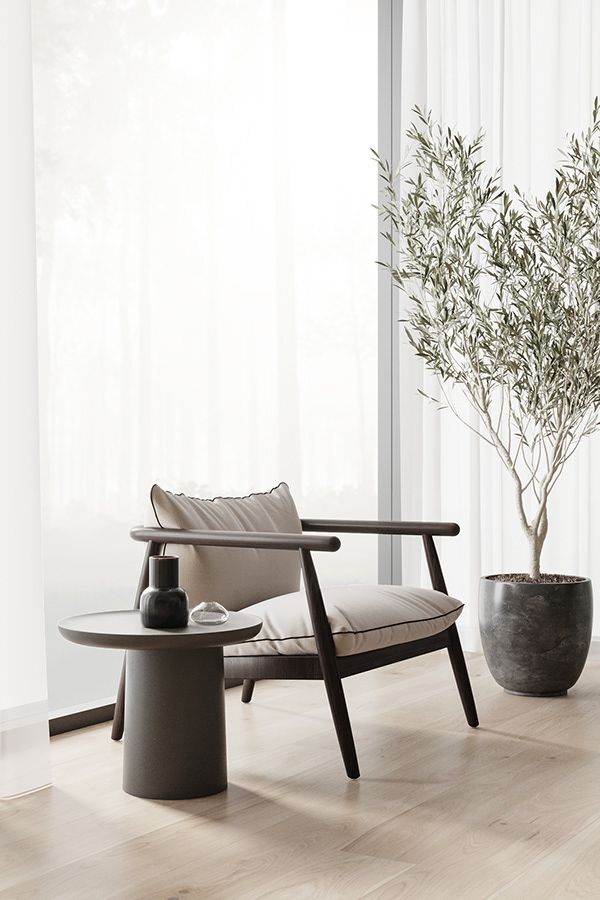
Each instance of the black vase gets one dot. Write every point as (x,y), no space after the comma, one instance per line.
(164,604)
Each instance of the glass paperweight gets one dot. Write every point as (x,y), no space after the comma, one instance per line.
(209,613)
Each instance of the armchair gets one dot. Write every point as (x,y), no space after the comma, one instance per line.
(349,630)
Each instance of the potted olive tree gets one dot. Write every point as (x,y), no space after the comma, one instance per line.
(504,308)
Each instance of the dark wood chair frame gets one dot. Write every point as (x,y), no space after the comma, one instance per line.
(325,665)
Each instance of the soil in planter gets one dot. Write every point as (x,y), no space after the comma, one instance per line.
(523,578)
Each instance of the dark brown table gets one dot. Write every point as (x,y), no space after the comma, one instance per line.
(175,745)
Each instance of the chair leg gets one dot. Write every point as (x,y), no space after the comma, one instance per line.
(247,690)
(341,721)
(462,676)
(119,716)
(328,662)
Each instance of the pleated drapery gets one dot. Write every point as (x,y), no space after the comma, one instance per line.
(24,748)
(527,72)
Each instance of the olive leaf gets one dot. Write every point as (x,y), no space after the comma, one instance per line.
(503,297)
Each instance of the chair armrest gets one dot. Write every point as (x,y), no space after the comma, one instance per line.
(257,540)
(359,526)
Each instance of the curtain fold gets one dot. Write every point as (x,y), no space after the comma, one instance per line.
(24,746)
(207,287)
(527,73)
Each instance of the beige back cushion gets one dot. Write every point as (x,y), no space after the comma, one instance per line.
(234,577)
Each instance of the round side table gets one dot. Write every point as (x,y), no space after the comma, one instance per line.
(175,745)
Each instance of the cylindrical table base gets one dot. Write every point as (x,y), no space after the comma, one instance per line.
(174,724)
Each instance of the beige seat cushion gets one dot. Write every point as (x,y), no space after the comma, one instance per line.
(232,576)
(362,618)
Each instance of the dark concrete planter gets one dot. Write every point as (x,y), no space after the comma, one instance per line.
(535,637)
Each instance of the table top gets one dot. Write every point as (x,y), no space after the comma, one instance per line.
(122,629)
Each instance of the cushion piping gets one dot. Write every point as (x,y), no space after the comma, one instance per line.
(212,499)
(302,637)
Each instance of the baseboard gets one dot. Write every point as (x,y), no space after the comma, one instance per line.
(81,719)
(71,719)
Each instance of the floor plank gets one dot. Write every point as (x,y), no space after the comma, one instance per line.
(509,810)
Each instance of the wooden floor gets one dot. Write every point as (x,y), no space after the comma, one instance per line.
(511,810)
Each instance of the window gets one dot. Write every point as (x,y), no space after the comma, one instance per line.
(207,287)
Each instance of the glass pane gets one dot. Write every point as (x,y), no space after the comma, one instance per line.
(206,277)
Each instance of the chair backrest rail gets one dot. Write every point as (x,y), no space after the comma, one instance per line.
(257,540)
(365,526)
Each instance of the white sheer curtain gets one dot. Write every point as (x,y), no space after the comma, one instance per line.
(527,71)
(207,283)
(24,752)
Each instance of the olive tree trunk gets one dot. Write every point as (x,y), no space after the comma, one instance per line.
(536,534)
